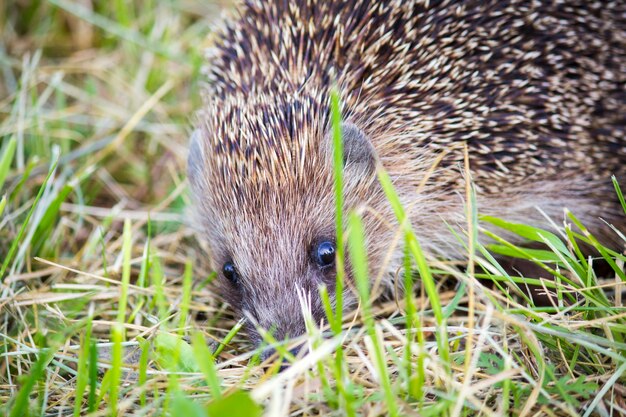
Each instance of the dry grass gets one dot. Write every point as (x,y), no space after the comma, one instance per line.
(96,98)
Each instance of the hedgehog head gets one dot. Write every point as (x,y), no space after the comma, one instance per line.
(261,171)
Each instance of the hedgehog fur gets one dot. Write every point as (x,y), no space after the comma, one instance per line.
(536,90)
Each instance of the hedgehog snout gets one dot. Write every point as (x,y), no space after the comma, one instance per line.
(281,312)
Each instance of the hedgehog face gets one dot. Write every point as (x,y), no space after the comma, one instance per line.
(266,203)
(271,256)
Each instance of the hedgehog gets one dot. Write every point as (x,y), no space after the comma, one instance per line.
(534,92)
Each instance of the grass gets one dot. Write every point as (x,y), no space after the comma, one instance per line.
(108,307)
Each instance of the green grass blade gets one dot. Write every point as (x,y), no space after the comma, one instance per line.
(338,175)
(529,232)
(606,254)
(206,362)
(92,400)
(6,158)
(539,255)
(115,373)
(228,337)
(415,381)
(618,190)
(126,255)
(18,238)
(327,305)
(144,345)
(3,203)
(48,220)
(82,378)
(186,300)
(118,331)
(422,265)
(21,405)
(358,256)
(158,284)
(337,320)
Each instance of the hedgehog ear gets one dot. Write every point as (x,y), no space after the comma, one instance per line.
(358,151)
(195,158)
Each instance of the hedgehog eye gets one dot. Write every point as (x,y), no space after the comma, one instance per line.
(230,272)
(324,254)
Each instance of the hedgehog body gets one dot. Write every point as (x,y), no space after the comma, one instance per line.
(534,90)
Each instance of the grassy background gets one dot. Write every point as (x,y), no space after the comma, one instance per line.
(106,302)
